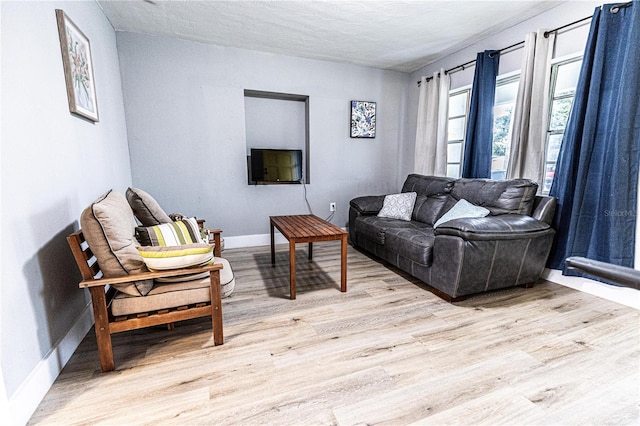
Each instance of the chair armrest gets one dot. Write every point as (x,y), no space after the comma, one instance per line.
(148,276)
(217,250)
(501,227)
(623,275)
(369,204)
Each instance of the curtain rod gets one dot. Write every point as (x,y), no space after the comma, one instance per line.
(614,9)
(546,35)
(450,70)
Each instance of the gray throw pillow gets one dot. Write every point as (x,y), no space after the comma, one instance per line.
(146,208)
(398,206)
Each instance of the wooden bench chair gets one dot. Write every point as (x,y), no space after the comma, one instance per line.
(102,295)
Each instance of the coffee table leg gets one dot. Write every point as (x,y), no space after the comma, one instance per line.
(343,265)
(292,269)
(310,251)
(273,247)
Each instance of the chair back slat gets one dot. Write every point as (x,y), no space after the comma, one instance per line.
(87,263)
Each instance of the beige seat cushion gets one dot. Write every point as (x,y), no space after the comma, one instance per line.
(109,227)
(172,295)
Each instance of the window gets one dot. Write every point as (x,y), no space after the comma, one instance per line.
(458,110)
(506,92)
(564,78)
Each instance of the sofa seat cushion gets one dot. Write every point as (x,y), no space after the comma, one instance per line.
(414,243)
(173,295)
(374,227)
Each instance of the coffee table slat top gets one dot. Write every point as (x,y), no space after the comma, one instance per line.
(301,227)
(307,229)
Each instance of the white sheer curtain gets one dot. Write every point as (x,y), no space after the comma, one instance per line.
(531,113)
(431,132)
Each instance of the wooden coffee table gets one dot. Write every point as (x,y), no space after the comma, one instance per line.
(307,229)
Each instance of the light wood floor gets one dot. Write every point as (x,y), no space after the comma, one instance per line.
(386,352)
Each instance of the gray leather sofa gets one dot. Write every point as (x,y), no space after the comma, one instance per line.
(466,256)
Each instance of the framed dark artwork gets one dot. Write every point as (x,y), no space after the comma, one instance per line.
(78,68)
(363,119)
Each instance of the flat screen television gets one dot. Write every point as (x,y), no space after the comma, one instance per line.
(273,166)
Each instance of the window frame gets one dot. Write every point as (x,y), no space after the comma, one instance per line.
(502,80)
(555,65)
(459,162)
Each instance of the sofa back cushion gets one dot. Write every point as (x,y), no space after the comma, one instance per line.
(109,227)
(428,185)
(500,197)
(429,209)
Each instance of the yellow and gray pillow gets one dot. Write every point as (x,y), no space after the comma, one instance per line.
(180,232)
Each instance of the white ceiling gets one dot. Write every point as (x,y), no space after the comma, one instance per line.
(396,35)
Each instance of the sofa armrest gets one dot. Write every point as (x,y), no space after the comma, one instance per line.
(501,227)
(369,204)
(544,208)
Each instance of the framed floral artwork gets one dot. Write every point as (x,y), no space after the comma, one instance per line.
(363,119)
(78,68)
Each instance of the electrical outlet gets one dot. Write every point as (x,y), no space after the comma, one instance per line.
(332,207)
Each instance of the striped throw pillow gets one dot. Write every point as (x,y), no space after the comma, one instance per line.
(177,256)
(180,232)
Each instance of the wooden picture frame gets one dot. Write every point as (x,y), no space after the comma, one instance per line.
(78,68)
(363,119)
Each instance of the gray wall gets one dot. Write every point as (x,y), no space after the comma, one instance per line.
(53,165)
(186,125)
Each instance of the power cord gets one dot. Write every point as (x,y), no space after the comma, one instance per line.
(330,217)
(304,188)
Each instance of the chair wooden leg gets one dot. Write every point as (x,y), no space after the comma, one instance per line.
(103,335)
(216,308)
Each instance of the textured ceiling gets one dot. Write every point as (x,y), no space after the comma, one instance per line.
(396,35)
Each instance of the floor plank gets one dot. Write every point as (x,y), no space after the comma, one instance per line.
(386,352)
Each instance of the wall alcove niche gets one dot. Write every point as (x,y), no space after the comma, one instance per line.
(278,121)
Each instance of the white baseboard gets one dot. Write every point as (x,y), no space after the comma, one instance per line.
(256,240)
(253,240)
(24,402)
(623,295)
